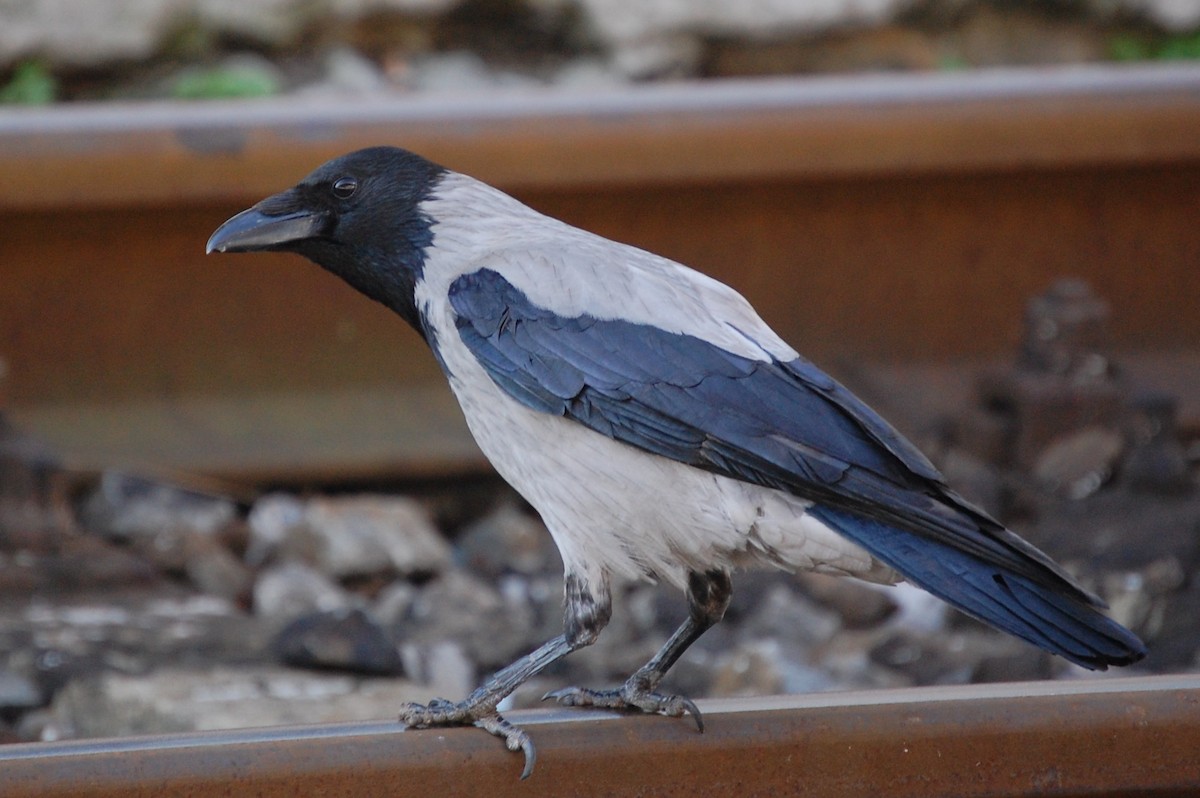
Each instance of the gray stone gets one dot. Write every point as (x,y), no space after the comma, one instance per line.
(1143,599)
(347,536)
(508,540)
(919,611)
(271,521)
(751,669)
(442,666)
(1156,461)
(542,596)
(1010,661)
(39,726)
(462,608)
(846,658)
(346,72)
(1176,15)
(180,700)
(461,71)
(81,33)
(675,55)
(343,639)
(587,74)
(783,614)
(1077,464)
(59,641)
(18,693)
(766,667)
(156,517)
(961,656)
(81,563)
(285,592)
(1117,530)
(214,569)
(1174,645)
(665,38)
(394,601)
(361,8)
(364,535)
(99,31)
(858,604)
(629,20)
(1066,332)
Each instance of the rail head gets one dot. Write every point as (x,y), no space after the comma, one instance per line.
(1096,737)
(112,154)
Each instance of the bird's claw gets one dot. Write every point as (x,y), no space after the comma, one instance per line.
(441,712)
(627,698)
(515,739)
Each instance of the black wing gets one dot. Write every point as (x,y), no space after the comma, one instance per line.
(783,425)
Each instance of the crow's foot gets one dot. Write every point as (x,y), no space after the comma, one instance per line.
(440,712)
(628,697)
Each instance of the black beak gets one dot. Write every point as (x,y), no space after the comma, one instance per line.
(253,230)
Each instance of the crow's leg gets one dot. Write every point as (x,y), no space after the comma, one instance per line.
(585,615)
(708,598)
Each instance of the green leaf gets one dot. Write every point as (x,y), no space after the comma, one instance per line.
(225,82)
(1180,48)
(31,84)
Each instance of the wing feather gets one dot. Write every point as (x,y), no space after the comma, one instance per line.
(787,426)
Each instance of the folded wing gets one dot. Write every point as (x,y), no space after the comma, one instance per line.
(787,426)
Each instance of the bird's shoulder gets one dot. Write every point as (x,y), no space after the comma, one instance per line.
(574,274)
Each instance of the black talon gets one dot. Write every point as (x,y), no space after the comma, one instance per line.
(515,739)
(530,758)
(690,706)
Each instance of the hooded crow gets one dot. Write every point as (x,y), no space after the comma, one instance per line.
(662,430)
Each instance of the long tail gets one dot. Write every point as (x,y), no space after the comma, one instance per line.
(1057,620)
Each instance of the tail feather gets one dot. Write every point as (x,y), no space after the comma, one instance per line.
(1055,620)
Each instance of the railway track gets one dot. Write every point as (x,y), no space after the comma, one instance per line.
(1110,737)
(883,218)
(919,211)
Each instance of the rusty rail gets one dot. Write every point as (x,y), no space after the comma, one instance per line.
(879,217)
(1097,738)
(673,133)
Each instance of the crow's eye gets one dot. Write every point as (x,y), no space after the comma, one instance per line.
(344,187)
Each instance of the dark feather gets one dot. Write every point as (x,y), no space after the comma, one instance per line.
(783,425)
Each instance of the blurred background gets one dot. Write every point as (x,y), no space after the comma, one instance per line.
(57,50)
(235,493)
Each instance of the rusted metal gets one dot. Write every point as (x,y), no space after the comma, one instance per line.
(666,134)
(1097,738)
(882,217)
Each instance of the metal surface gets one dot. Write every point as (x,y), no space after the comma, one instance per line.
(1098,738)
(879,217)
(668,133)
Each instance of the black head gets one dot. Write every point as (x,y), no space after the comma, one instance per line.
(357,216)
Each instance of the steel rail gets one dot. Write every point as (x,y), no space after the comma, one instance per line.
(665,133)
(1104,737)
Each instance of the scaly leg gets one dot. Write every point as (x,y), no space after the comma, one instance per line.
(708,598)
(585,615)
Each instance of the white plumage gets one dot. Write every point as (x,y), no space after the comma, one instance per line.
(613,510)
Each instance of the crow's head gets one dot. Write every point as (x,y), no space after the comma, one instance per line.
(359,216)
